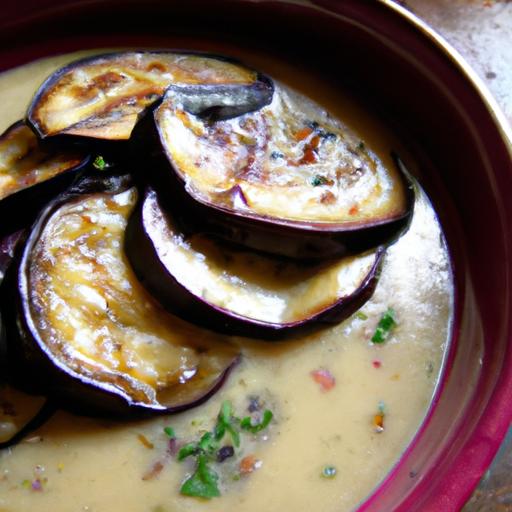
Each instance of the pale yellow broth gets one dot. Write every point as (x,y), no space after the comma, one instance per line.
(98,466)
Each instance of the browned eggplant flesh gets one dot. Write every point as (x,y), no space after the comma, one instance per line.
(103,97)
(240,291)
(26,162)
(289,162)
(92,327)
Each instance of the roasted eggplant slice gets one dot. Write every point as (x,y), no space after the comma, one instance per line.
(242,292)
(31,173)
(103,97)
(287,178)
(87,332)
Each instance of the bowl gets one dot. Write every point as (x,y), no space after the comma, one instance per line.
(445,117)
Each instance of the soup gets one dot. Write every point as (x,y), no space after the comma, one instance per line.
(343,407)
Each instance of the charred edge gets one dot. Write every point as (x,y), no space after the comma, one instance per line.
(32,119)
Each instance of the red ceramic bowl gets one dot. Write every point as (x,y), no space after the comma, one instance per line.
(443,114)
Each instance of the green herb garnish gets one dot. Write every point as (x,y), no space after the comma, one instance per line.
(318,180)
(246,423)
(361,315)
(226,422)
(386,324)
(169,431)
(203,482)
(99,163)
(187,450)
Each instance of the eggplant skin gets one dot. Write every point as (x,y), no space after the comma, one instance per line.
(102,97)
(34,368)
(141,247)
(32,173)
(245,179)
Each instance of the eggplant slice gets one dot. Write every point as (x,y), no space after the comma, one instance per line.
(103,97)
(288,178)
(32,172)
(88,333)
(236,291)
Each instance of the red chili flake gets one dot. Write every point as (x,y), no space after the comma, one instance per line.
(249,464)
(353,210)
(378,422)
(324,378)
(315,142)
(309,157)
(303,134)
(376,364)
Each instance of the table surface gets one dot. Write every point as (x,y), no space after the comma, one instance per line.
(481,30)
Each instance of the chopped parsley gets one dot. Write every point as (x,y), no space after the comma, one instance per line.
(210,449)
(203,482)
(318,180)
(99,163)
(386,324)
(246,423)
(169,431)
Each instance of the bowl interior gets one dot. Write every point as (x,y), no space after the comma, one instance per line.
(464,158)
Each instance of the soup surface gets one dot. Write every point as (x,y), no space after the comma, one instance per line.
(344,408)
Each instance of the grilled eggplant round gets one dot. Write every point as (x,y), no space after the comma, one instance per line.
(85,331)
(238,291)
(31,173)
(103,97)
(288,178)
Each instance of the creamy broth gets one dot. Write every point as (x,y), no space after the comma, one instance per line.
(97,465)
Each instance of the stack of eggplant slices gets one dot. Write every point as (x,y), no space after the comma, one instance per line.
(155,204)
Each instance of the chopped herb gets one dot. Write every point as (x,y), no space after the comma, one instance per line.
(276,155)
(361,315)
(169,431)
(26,484)
(225,453)
(246,423)
(99,163)
(361,146)
(225,423)
(203,482)
(386,324)
(187,450)
(329,472)
(318,180)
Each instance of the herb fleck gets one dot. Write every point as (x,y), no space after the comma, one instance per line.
(246,423)
(386,324)
(203,482)
(99,163)
(169,431)
(361,315)
(318,180)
